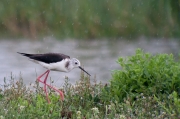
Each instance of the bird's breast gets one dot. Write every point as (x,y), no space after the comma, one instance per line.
(61,66)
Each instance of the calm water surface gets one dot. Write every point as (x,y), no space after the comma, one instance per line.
(97,56)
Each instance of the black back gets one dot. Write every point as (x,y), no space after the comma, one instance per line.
(46,58)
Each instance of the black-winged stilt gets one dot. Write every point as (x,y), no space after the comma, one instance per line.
(54,62)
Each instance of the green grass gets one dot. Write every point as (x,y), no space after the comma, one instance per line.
(90,19)
(88,99)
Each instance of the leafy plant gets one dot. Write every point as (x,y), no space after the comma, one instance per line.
(145,73)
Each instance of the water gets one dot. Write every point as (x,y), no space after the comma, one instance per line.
(97,56)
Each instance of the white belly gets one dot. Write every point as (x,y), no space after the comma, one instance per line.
(58,66)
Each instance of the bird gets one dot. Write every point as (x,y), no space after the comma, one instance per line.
(53,62)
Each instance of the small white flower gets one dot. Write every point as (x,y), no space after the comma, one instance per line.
(95,110)
(78,112)
(122,117)
(21,107)
(1,117)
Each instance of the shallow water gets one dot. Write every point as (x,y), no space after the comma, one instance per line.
(97,56)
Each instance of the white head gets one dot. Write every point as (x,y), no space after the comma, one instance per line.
(75,63)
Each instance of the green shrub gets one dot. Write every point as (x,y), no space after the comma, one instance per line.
(145,73)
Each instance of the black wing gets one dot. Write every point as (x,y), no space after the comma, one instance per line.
(47,58)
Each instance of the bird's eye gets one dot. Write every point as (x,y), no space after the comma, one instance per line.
(76,63)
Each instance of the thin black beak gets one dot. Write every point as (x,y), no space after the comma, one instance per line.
(84,70)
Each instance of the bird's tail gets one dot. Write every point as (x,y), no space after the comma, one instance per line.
(29,56)
(24,54)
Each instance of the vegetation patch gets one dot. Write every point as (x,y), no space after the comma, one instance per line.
(145,73)
(147,86)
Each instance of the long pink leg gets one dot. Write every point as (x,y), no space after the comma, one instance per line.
(44,82)
(60,92)
(45,79)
